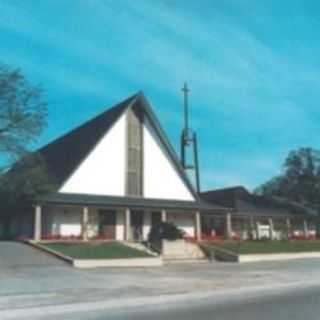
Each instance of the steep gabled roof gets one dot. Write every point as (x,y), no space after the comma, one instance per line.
(246,203)
(166,143)
(64,155)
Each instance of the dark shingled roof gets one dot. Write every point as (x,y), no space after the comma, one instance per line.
(245,203)
(63,155)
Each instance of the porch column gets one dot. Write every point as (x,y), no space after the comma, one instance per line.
(146,225)
(37,223)
(288,223)
(85,219)
(228,226)
(252,229)
(163,215)
(305,228)
(257,230)
(198,226)
(127,224)
(271,228)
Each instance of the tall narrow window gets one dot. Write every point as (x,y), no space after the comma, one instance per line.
(134,153)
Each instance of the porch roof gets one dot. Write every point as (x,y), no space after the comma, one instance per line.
(245,203)
(131,202)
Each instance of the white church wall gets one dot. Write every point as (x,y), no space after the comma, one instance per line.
(63,221)
(120,225)
(184,221)
(103,171)
(67,221)
(146,225)
(93,223)
(161,180)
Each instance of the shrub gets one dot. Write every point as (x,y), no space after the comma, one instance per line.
(165,231)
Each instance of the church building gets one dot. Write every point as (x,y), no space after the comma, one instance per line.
(115,177)
(258,217)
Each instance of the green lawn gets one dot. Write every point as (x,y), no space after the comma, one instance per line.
(110,250)
(252,247)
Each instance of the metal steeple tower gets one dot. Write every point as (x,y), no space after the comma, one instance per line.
(189,141)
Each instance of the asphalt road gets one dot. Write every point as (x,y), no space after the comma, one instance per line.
(296,305)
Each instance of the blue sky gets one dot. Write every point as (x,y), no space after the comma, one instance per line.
(252,66)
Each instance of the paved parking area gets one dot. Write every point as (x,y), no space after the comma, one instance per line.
(16,254)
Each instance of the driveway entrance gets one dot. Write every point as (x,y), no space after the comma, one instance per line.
(16,254)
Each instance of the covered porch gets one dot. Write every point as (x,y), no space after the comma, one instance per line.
(235,226)
(121,219)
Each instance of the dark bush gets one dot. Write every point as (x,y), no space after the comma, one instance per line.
(165,230)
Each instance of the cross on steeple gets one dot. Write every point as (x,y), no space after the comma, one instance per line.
(186,91)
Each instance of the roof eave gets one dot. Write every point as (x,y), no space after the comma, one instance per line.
(121,202)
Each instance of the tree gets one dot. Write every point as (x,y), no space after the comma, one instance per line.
(300,180)
(22,114)
(23,175)
(26,179)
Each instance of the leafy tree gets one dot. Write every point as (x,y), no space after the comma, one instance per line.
(22,119)
(22,114)
(26,179)
(300,179)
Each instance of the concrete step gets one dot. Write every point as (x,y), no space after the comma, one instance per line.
(181,250)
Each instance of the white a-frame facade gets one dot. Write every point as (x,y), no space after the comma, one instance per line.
(105,169)
(128,180)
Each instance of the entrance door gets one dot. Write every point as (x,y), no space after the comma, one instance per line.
(155,218)
(137,224)
(107,224)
